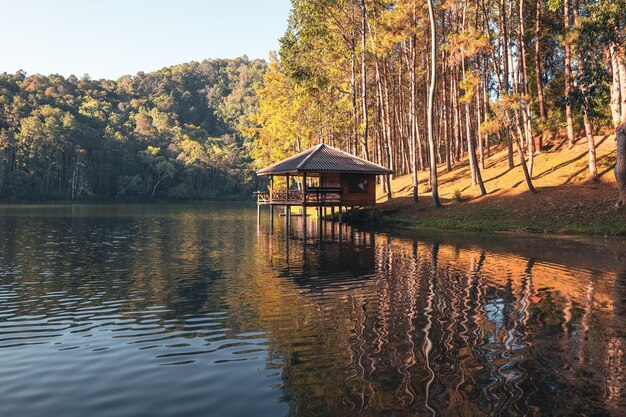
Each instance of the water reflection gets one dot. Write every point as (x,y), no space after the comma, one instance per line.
(197,310)
(437,328)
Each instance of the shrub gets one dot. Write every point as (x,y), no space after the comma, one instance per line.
(458,196)
(179,192)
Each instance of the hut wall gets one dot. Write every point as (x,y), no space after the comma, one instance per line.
(331,180)
(358,189)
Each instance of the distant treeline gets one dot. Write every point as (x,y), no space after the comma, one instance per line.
(173,134)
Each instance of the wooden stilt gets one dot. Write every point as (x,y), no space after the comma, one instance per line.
(304,223)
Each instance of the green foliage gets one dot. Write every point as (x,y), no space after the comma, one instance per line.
(173,133)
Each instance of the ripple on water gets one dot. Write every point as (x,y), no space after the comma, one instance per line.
(184,310)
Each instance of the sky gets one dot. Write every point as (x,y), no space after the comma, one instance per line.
(111,38)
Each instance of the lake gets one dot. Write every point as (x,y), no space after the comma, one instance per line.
(197,310)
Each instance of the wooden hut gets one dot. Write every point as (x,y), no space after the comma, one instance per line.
(322,176)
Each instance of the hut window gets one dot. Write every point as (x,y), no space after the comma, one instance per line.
(357,185)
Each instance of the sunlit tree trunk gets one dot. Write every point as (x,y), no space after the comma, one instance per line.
(504,91)
(471,149)
(355,122)
(538,55)
(431,97)
(620,164)
(621,67)
(446,127)
(525,102)
(412,116)
(591,146)
(364,80)
(568,73)
(481,152)
(616,96)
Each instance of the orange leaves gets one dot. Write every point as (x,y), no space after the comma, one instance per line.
(465,44)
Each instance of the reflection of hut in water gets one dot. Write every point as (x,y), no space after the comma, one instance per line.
(340,254)
(322,176)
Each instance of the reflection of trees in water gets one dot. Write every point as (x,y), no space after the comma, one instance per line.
(615,361)
(365,325)
(433,328)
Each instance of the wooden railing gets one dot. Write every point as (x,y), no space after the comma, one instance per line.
(313,195)
(286,196)
(324,195)
(262,197)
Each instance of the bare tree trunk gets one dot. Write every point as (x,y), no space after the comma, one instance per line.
(445,109)
(542,109)
(431,97)
(528,129)
(620,164)
(529,182)
(388,144)
(568,74)
(413,117)
(355,123)
(446,127)
(591,146)
(457,117)
(481,151)
(471,149)
(364,80)
(616,96)
(621,66)
(504,58)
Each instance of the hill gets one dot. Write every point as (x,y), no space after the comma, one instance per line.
(566,201)
(175,133)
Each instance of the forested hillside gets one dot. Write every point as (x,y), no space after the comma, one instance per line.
(412,84)
(175,133)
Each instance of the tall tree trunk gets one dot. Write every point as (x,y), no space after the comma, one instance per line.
(568,73)
(591,146)
(504,58)
(388,145)
(621,66)
(413,116)
(542,109)
(431,97)
(616,96)
(454,92)
(528,129)
(446,127)
(620,164)
(355,122)
(481,151)
(520,150)
(471,149)
(364,80)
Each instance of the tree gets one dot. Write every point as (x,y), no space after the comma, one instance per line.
(77,138)
(431,97)
(620,165)
(568,73)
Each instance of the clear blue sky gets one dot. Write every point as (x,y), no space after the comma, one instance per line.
(110,38)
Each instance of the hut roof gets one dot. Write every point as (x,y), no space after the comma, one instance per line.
(324,158)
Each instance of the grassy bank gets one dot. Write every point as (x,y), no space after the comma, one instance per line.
(566,202)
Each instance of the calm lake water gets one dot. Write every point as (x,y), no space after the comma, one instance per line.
(196,311)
